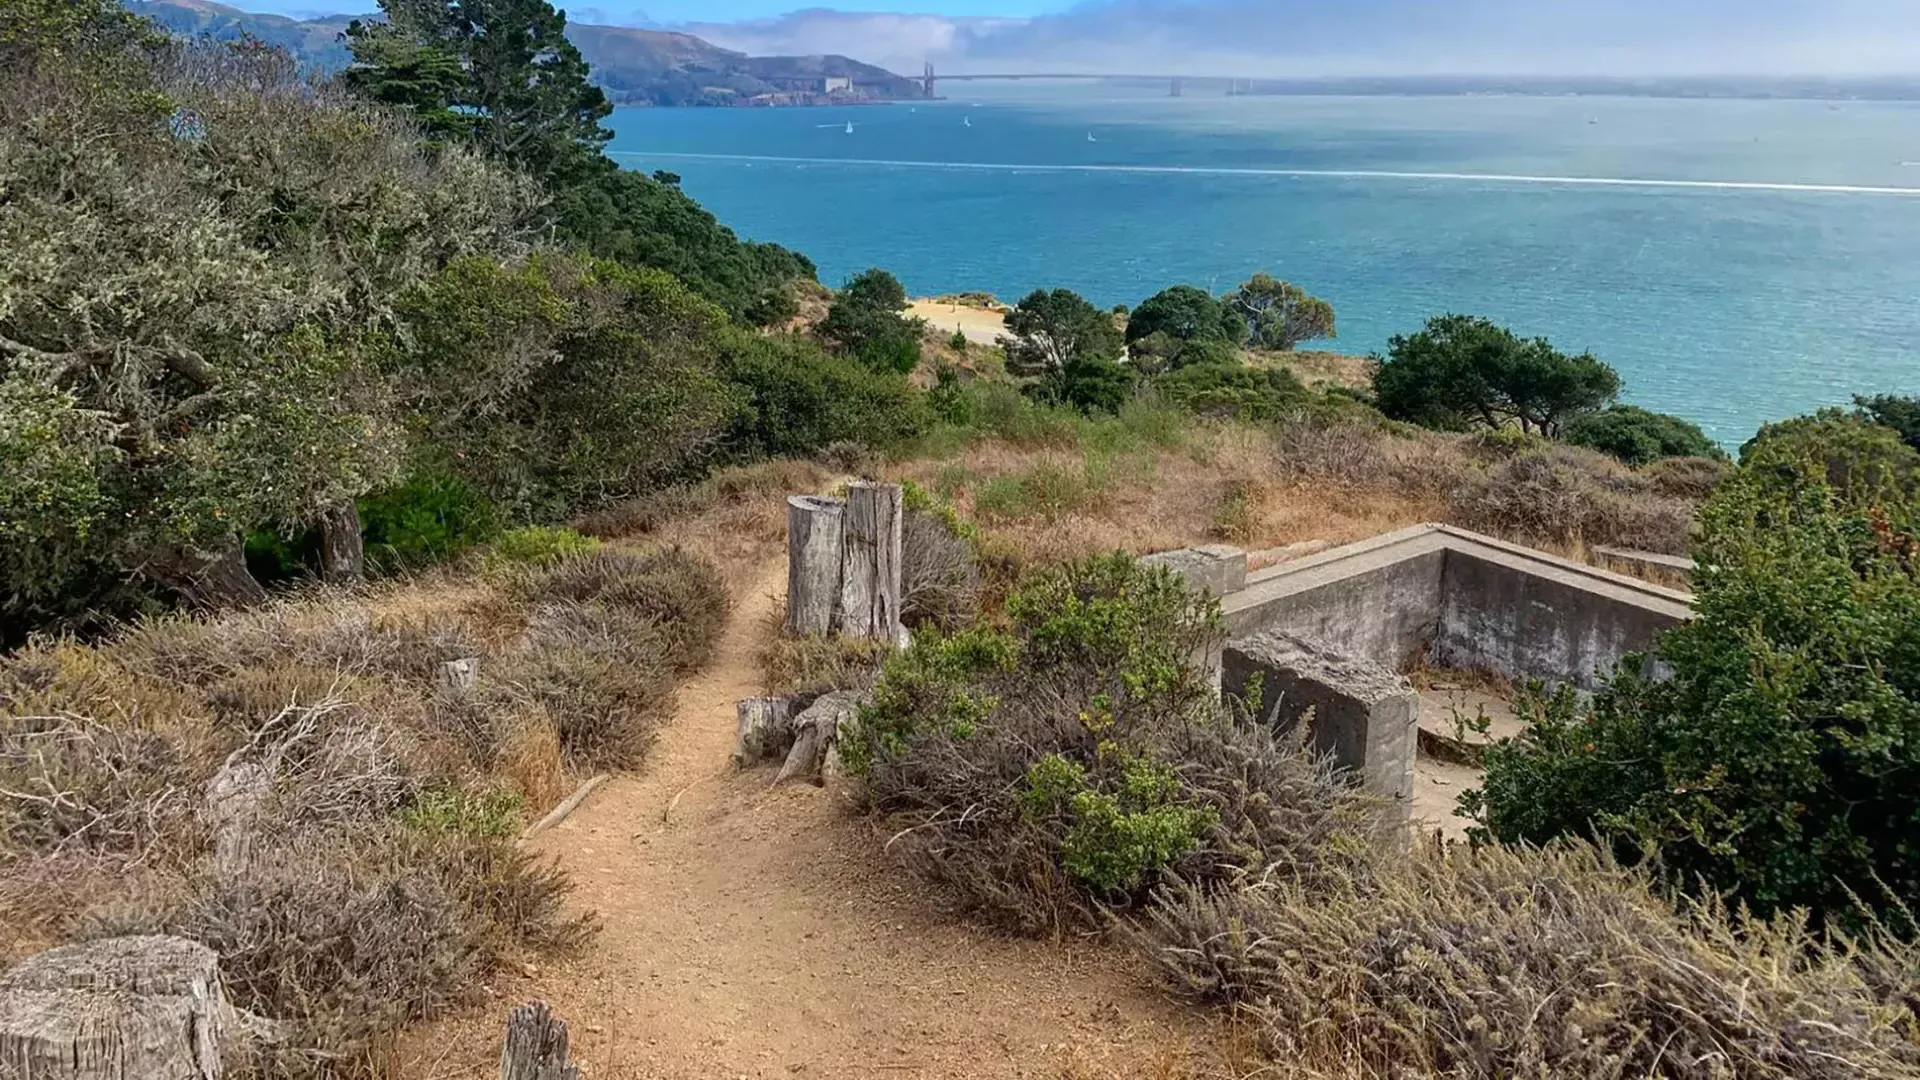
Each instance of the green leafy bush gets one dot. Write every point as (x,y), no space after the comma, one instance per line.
(1233,391)
(537,545)
(1091,755)
(1902,414)
(796,400)
(430,518)
(1639,437)
(1778,761)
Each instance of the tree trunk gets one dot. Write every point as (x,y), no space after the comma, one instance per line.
(213,580)
(343,558)
(816,735)
(148,1007)
(764,730)
(870,563)
(536,1046)
(814,531)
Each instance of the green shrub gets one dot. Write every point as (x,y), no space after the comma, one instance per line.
(1091,755)
(1902,414)
(430,518)
(797,400)
(1233,391)
(1639,437)
(536,545)
(1778,761)
(1864,461)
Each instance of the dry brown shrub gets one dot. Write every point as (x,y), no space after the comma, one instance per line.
(939,574)
(815,665)
(680,596)
(1529,964)
(1690,478)
(602,676)
(350,934)
(773,479)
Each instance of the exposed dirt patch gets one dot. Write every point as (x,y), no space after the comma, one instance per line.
(754,932)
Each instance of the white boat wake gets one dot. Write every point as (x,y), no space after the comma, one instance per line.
(1329,174)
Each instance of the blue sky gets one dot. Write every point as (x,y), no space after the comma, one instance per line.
(673,11)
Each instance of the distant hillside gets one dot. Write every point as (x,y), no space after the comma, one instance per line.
(315,41)
(646,67)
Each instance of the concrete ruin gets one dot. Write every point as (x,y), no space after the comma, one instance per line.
(1333,632)
(1456,599)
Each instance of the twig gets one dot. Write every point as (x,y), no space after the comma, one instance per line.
(567,806)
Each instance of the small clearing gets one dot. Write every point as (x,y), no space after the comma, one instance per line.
(982,326)
(758,932)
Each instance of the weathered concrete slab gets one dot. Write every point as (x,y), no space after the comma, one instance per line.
(1364,716)
(1379,598)
(1460,600)
(1214,568)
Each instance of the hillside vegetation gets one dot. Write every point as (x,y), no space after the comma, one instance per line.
(308,388)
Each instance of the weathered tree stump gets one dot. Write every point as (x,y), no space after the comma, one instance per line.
(132,1008)
(870,563)
(343,555)
(816,733)
(765,729)
(814,531)
(234,798)
(536,1046)
(459,678)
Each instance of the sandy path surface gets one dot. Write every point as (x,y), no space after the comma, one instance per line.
(758,932)
(981,327)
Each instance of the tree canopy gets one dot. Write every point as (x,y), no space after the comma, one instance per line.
(1639,437)
(501,77)
(865,322)
(1460,372)
(1279,315)
(1050,329)
(1185,314)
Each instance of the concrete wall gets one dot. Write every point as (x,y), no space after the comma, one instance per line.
(1460,600)
(1361,715)
(1379,599)
(1524,618)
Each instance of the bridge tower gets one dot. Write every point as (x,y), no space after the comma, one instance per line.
(930,85)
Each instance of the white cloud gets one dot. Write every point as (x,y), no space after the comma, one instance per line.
(1374,37)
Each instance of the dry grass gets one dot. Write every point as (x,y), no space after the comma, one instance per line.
(1320,368)
(1450,961)
(384,880)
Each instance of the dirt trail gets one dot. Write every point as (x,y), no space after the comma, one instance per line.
(759,932)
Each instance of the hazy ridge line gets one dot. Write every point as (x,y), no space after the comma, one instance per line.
(1330,174)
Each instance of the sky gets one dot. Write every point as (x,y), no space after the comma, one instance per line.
(1253,38)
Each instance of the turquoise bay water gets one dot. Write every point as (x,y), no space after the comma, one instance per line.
(1772,266)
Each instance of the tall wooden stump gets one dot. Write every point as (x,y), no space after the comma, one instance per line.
(536,1046)
(147,1007)
(814,531)
(870,562)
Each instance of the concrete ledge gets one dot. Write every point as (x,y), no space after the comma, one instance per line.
(1215,568)
(1464,599)
(1363,716)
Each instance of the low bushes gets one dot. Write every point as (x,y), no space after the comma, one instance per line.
(1071,763)
(384,879)
(1776,763)
(1510,963)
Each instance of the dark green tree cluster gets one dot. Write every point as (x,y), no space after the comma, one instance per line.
(1778,760)
(501,76)
(865,323)
(236,306)
(1638,436)
(1461,372)
(1071,348)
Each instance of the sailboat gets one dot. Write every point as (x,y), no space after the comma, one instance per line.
(967,120)
(1090,137)
(849,127)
